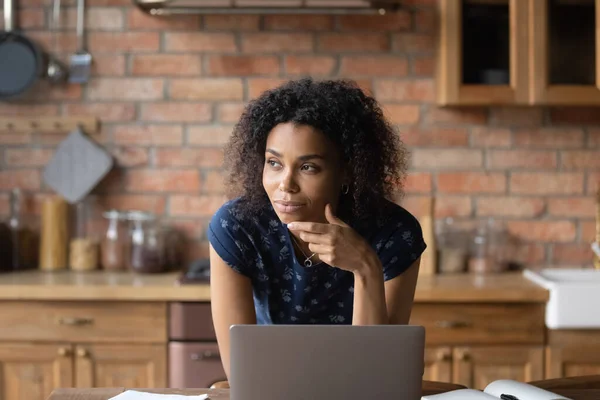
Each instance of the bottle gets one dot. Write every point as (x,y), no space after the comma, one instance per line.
(114,242)
(23,239)
(83,248)
(147,245)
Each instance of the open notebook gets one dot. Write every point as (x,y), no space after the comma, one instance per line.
(504,389)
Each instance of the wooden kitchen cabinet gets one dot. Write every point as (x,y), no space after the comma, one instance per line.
(572,353)
(518,52)
(438,364)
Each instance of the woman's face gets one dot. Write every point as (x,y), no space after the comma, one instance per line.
(302,173)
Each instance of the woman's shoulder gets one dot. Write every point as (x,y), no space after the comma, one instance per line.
(232,213)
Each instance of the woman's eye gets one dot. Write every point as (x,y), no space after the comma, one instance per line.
(273,163)
(309,168)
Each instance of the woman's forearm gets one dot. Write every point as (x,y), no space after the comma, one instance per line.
(369,295)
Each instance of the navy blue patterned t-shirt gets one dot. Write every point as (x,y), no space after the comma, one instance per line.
(285,291)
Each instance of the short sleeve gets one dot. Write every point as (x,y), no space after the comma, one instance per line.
(402,248)
(231,240)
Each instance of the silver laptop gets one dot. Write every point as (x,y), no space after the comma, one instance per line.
(326,362)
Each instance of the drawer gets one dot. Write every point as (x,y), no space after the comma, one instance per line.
(194,365)
(191,321)
(99,322)
(480,323)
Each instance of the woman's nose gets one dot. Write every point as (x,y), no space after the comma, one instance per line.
(288,184)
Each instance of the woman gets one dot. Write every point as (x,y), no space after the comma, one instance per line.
(310,237)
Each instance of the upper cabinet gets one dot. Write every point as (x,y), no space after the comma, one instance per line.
(519,52)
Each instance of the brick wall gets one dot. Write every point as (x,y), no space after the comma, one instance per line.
(168,91)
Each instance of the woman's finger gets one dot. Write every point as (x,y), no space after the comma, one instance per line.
(320,249)
(320,238)
(313,227)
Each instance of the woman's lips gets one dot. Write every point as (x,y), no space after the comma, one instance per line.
(288,207)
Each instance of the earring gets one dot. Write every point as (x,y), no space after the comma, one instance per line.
(345,188)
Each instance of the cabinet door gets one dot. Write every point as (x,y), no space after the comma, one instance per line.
(438,364)
(565,362)
(565,52)
(32,371)
(137,366)
(482,52)
(476,367)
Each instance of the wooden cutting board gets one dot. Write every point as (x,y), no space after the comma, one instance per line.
(427,219)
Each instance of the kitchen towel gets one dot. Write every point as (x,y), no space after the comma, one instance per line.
(136,395)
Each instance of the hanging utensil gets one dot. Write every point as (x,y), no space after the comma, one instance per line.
(56,72)
(81,61)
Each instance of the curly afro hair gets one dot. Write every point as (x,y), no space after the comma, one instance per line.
(373,154)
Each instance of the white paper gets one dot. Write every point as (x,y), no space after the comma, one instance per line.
(137,395)
(520,390)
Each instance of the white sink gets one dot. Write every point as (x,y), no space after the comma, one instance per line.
(574,296)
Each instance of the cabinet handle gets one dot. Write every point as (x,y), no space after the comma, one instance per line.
(75,321)
(443,356)
(452,324)
(205,355)
(64,351)
(81,353)
(464,356)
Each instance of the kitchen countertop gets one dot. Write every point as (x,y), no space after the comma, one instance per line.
(126,286)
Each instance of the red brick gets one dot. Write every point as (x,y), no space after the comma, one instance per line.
(214,182)
(26,110)
(197,41)
(572,207)
(593,183)
(230,112)
(402,114)
(353,42)
(412,203)
(298,22)
(575,116)
(406,90)
(108,65)
(30,18)
(580,159)
(418,182)
(201,206)
(435,137)
(257,86)
(453,206)
(137,19)
(104,19)
(123,42)
(588,231)
(209,135)
(471,182)
(310,65)
(530,254)
(517,116)
(26,179)
(206,89)
(447,159)
(55,138)
(131,156)
(546,183)
(166,64)
(205,157)
(150,203)
(7,138)
(276,42)
(231,22)
(176,112)
(476,116)
(517,207)
(223,65)
(549,138)
(521,159)
(593,138)
(425,20)
(573,254)
(373,66)
(422,66)
(543,231)
(490,137)
(413,42)
(165,180)
(66,42)
(106,112)
(27,157)
(45,90)
(126,89)
(397,21)
(147,135)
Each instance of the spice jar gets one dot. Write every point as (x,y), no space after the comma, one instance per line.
(114,242)
(453,248)
(83,248)
(488,246)
(147,253)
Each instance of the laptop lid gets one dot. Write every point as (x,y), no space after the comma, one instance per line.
(326,362)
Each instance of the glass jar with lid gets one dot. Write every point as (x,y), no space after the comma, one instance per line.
(114,242)
(84,245)
(147,251)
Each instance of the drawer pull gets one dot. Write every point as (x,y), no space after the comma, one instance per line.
(444,356)
(205,355)
(82,353)
(64,351)
(452,324)
(75,321)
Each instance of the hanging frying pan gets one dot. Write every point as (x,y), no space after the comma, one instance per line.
(21,60)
